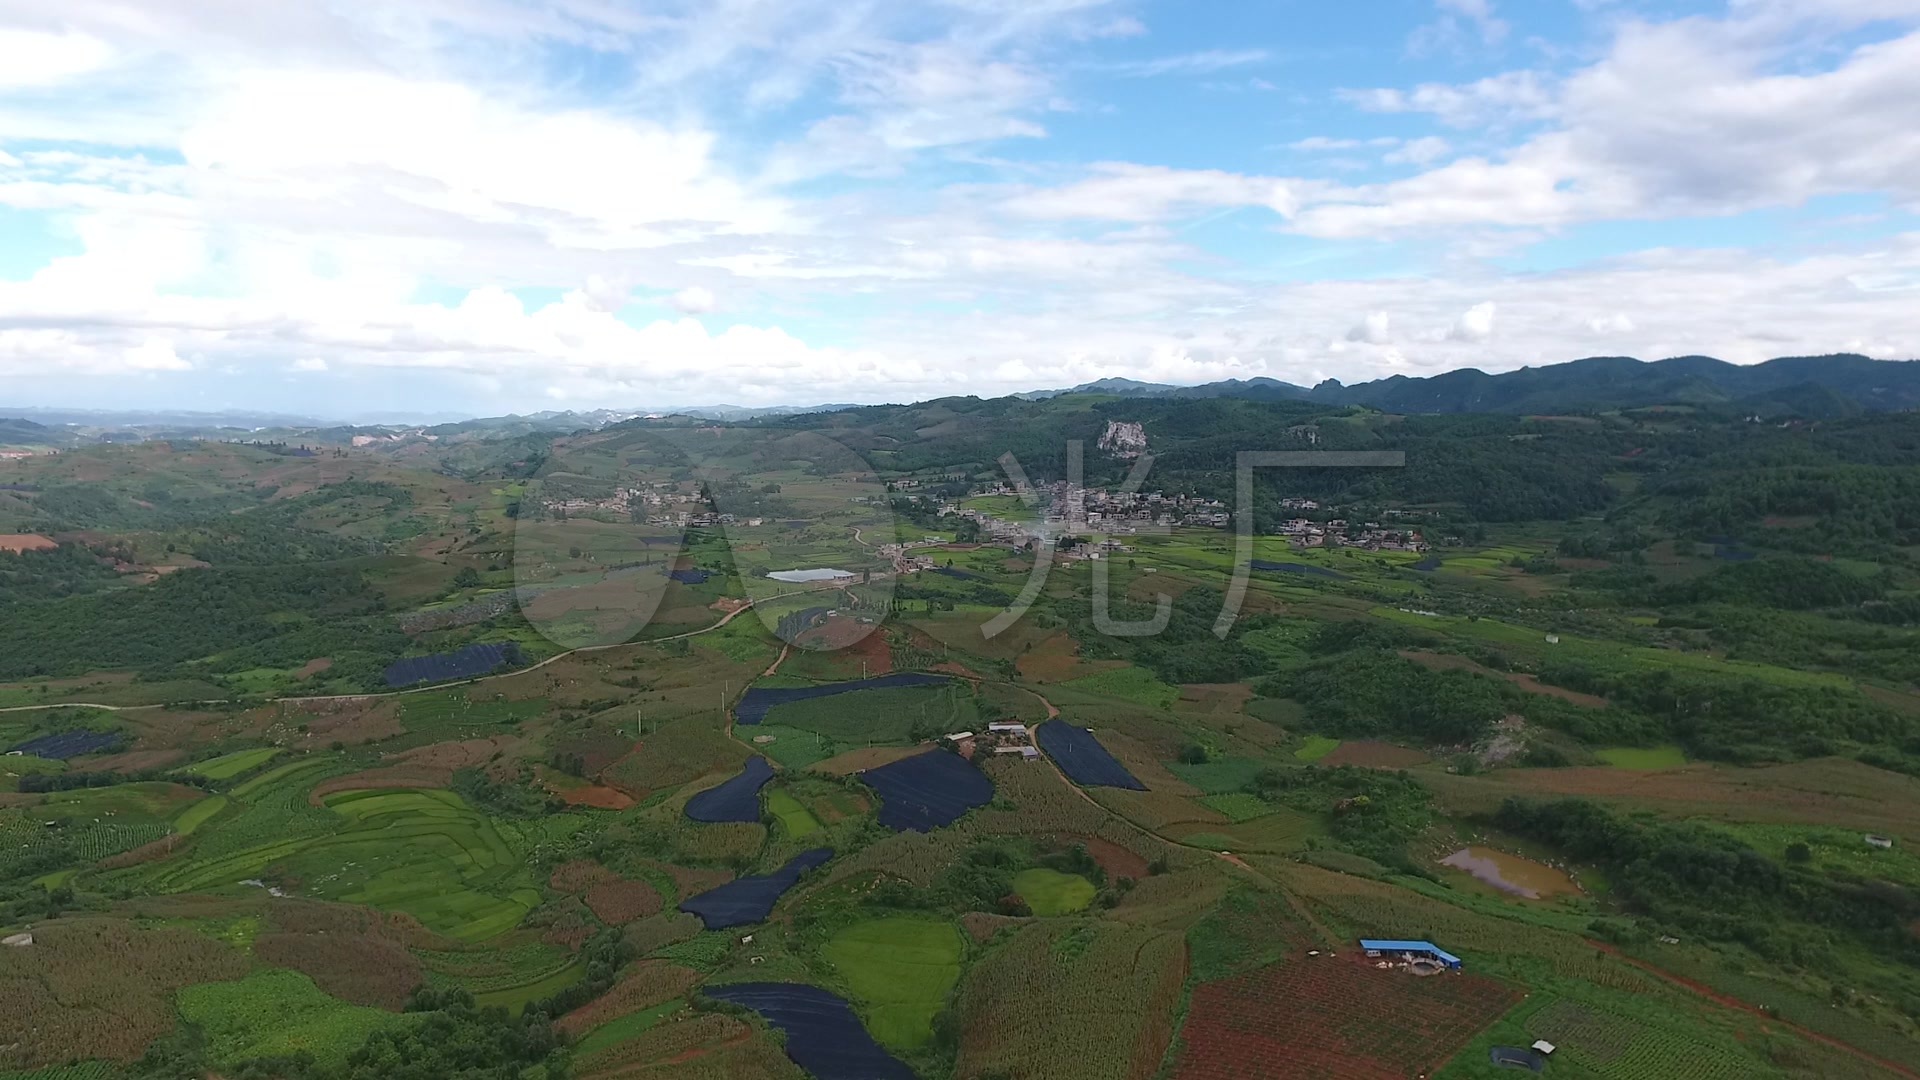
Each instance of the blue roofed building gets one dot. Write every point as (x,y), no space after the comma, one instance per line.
(1427,949)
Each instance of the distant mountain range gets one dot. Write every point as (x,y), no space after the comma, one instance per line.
(1814,387)
(1811,386)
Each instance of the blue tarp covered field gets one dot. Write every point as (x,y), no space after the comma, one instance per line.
(462,663)
(1082,758)
(927,790)
(824,1036)
(736,800)
(751,899)
(755,702)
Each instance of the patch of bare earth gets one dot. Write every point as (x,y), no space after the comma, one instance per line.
(19,542)
(691,881)
(983,926)
(351,721)
(596,796)
(135,761)
(648,983)
(872,757)
(618,903)
(1217,697)
(578,875)
(393,776)
(462,754)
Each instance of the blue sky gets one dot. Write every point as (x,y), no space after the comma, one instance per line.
(484,206)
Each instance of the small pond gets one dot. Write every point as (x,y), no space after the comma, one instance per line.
(1512,874)
(817,574)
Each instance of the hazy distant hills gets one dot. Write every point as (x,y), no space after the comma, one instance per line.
(1812,386)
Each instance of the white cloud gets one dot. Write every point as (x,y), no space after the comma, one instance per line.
(606,295)
(693,300)
(1479,12)
(154,354)
(391,189)
(1461,23)
(308,364)
(1422,151)
(1513,95)
(1679,118)
(583,178)
(1124,192)
(1475,324)
(1376,329)
(1193,63)
(32,59)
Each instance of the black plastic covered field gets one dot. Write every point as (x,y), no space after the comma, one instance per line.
(1082,758)
(462,663)
(755,702)
(67,744)
(689,577)
(750,900)
(926,791)
(736,800)
(824,1037)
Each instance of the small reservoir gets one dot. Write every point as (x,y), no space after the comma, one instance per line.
(1512,874)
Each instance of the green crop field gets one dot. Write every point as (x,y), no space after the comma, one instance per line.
(900,971)
(274,1013)
(1220,776)
(792,747)
(190,819)
(796,820)
(516,998)
(1050,892)
(1239,806)
(1133,684)
(277,774)
(1649,758)
(614,1032)
(228,766)
(1315,747)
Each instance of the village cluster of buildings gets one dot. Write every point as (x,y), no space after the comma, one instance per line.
(1071,510)
(658,504)
(1007,737)
(1369,535)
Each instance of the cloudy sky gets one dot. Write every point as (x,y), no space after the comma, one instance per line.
(483,206)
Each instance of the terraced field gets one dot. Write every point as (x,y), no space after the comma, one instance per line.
(425,853)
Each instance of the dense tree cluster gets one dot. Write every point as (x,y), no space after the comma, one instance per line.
(1690,876)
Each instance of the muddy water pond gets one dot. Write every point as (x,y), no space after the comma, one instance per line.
(1512,874)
